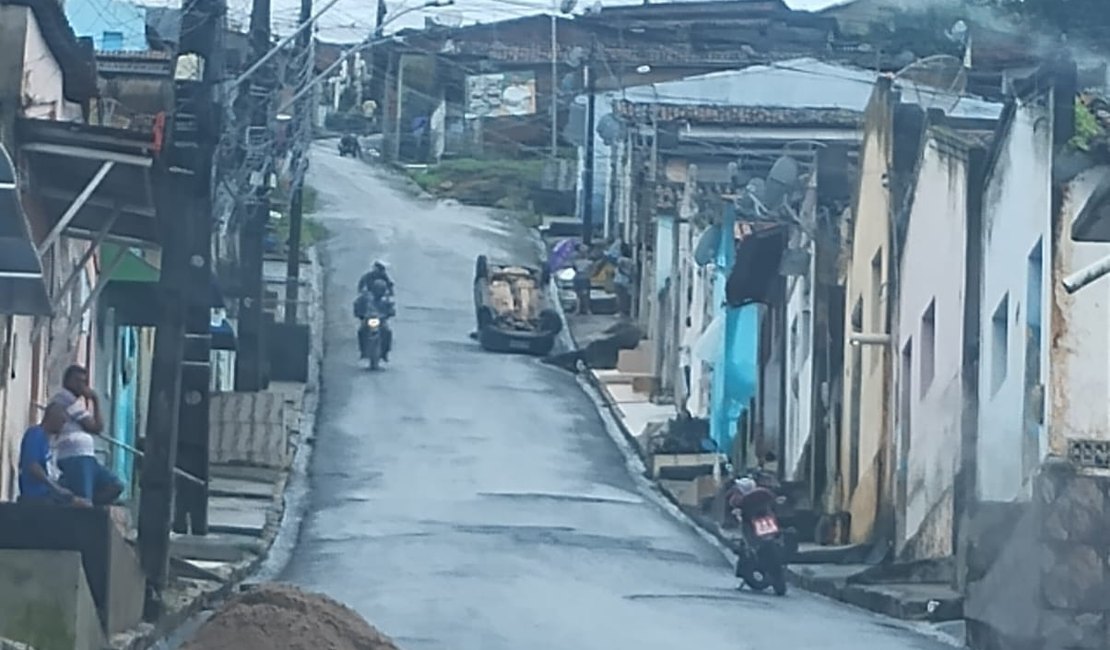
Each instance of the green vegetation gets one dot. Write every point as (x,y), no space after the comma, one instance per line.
(499,183)
(41,625)
(1087,127)
(312,231)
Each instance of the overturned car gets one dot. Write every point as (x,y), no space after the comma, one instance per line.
(514,310)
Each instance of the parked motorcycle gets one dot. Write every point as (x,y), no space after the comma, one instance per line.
(372,337)
(762,559)
(784,508)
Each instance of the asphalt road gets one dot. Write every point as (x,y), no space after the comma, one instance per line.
(465,500)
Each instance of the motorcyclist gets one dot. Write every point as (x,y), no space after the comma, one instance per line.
(378,272)
(375,299)
(350,142)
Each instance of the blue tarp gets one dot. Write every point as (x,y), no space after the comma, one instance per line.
(735,374)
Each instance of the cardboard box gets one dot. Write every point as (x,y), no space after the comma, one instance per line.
(681,460)
(644,384)
(640,361)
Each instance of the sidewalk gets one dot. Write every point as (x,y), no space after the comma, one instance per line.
(835,572)
(254,438)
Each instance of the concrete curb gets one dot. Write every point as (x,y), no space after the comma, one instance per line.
(155,635)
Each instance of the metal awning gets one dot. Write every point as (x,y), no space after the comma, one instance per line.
(22,286)
(93,182)
(139,303)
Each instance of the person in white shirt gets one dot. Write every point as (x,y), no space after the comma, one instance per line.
(82,473)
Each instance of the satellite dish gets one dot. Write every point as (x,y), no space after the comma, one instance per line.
(750,204)
(780,181)
(942,73)
(762,197)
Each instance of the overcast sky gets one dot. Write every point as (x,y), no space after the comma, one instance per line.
(351,20)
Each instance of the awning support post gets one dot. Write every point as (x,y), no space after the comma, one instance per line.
(75,207)
(101,282)
(93,246)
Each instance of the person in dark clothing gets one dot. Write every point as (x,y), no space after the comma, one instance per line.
(584,267)
(378,272)
(376,300)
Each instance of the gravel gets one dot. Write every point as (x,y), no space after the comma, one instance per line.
(283,617)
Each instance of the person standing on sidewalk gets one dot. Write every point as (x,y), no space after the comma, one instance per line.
(35,484)
(620,255)
(583,277)
(82,473)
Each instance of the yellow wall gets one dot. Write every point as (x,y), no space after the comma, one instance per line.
(867,289)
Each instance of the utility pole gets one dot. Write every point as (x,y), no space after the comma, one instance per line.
(191,506)
(184,204)
(554,87)
(301,121)
(588,181)
(249,359)
(379,26)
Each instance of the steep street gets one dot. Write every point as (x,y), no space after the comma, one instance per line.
(466,500)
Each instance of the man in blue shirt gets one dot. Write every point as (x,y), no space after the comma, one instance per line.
(35,483)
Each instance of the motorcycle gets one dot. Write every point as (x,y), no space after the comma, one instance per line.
(371,338)
(348,146)
(761,562)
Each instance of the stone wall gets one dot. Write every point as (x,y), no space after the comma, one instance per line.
(249,429)
(1045,588)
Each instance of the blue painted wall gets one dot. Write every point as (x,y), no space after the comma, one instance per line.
(124,415)
(735,374)
(114,25)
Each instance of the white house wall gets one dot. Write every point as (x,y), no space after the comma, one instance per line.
(15,398)
(1080,353)
(799,362)
(928,392)
(42,80)
(1016,220)
(864,419)
(701,313)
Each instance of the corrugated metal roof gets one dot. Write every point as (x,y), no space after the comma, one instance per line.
(743,115)
(804,83)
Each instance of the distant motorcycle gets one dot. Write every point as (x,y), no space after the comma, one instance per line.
(761,562)
(348,146)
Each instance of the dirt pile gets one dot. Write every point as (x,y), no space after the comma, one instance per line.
(283,617)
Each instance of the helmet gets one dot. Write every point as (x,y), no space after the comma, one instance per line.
(379,287)
(379,265)
(745,485)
